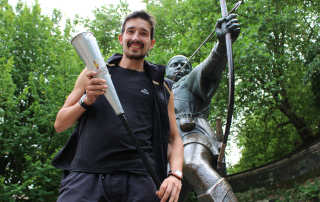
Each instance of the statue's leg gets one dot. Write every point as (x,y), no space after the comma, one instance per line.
(208,184)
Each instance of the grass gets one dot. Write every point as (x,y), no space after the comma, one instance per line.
(306,192)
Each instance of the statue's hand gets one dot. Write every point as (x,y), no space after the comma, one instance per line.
(229,24)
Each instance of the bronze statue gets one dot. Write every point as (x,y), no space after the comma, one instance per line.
(193,92)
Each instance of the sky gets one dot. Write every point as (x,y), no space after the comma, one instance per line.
(70,8)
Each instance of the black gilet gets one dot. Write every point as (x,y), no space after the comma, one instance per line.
(104,145)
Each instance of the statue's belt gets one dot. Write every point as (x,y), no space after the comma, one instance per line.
(187,122)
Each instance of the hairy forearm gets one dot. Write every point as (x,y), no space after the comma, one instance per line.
(71,110)
(67,117)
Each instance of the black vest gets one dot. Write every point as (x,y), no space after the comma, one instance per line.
(104,144)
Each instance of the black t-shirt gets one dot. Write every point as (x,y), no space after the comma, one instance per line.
(104,145)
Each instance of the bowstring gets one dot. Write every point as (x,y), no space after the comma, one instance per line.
(237,5)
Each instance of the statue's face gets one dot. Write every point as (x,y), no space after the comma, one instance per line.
(175,65)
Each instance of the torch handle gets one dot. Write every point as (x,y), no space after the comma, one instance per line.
(142,154)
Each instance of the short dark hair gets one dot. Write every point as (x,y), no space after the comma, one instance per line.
(143,15)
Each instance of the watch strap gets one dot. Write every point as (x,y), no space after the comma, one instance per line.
(176,173)
(81,102)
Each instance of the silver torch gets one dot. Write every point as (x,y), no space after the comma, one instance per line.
(87,47)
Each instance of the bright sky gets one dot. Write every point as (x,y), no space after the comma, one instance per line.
(82,7)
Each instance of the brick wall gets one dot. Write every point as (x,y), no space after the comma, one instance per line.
(298,163)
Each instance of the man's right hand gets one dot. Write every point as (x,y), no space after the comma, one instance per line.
(71,111)
(94,88)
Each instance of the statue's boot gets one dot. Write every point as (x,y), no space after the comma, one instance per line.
(208,184)
(221,191)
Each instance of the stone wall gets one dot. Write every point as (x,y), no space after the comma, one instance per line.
(298,163)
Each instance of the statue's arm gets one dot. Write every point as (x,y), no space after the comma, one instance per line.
(203,81)
(214,64)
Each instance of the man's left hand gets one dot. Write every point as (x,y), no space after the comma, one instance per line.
(171,185)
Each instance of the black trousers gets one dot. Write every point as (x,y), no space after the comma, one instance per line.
(94,187)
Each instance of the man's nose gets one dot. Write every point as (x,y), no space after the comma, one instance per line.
(136,37)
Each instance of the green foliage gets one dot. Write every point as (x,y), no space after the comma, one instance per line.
(192,197)
(311,191)
(300,192)
(181,27)
(275,111)
(38,70)
(312,77)
(276,65)
(277,114)
(107,26)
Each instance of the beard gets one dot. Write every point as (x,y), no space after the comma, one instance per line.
(134,56)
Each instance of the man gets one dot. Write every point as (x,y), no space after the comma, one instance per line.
(193,91)
(106,166)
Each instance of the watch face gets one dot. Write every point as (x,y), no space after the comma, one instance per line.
(82,98)
(178,173)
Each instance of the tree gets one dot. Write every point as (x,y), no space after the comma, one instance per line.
(38,70)
(277,72)
(106,26)
(278,114)
(273,108)
(313,73)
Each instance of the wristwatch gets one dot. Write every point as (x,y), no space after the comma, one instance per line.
(176,173)
(82,103)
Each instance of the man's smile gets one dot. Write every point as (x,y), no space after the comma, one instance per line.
(135,44)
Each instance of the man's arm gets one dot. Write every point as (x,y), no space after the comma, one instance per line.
(71,110)
(172,185)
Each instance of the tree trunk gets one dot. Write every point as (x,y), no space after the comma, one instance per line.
(298,122)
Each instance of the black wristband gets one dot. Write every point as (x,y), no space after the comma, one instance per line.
(82,104)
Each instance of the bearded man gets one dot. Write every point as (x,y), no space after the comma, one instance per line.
(100,161)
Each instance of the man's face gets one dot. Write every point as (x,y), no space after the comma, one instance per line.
(175,65)
(136,40)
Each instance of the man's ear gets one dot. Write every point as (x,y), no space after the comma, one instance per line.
(120,39)
(152,44)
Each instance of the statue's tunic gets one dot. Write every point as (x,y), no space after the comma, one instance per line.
(192,100)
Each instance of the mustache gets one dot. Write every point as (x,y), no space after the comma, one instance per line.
(138,42)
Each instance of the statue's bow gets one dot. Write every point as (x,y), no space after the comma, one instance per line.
(231,81)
